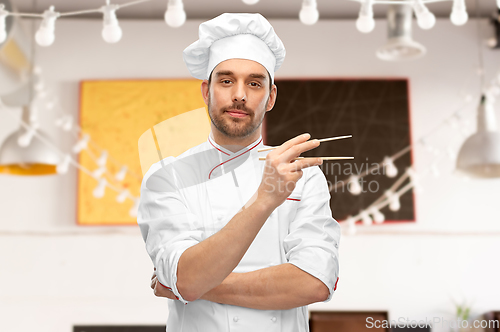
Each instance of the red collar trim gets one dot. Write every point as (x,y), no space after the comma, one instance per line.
(210,141)
(209,174)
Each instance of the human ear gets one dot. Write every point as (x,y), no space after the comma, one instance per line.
(205,90)
(272,98)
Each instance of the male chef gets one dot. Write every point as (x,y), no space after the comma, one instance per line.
(239,243)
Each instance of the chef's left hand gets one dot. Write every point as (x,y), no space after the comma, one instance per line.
(160,290)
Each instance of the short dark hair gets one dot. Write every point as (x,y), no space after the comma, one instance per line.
(270,84)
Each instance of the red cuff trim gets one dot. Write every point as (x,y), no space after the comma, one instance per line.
(164,285)
(293,199)
(334,288)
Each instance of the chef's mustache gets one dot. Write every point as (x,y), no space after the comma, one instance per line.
(240,107)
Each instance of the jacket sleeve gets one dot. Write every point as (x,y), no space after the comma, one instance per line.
(166,224)
(313,238)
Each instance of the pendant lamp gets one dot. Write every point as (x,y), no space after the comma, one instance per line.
(400,46)
(479,156)
(34,159)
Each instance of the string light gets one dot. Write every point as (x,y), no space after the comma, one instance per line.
(62,167)
(81,144)
(133,211)
(394,203)
(45,35)
(365,22)
(425,19)
(378,216)
(99,172)
(3,25)
(365,217)
(354,186)
(102,159)
(100,189)
(459,14)
(309,14)
(175,16)
(120,198)
(390,169)
(351,227)
(111,32)
(25,139)
(121,174)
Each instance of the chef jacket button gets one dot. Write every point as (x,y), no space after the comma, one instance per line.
(274,319)
(235,318)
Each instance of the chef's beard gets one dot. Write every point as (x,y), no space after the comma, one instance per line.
(235,127)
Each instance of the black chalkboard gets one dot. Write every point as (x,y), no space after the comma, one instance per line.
(375,111)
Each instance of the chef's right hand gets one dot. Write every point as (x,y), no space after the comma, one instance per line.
(281,171)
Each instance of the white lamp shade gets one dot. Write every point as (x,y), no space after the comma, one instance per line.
(479,155)
(36,153)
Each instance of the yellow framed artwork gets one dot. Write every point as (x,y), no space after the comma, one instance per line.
(116,113)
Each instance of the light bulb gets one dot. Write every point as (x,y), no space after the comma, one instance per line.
(68,123)
(390,169)
(45,35)
(121,174)
(25,139)
(378,216)
(99,191)
(101,161)
(133,211)
(99,172)
(435,170)
(3,19)
(394,204)
(111,31)
(62,167)
(175,16)
(354,186)
(425,19)
(351,227)
(365,217)
(451,153)
(120,198)
(250,2)
(81,144)
(309,13)
(459,16)
(365,22)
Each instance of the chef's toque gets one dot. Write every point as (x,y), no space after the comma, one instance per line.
(234,36)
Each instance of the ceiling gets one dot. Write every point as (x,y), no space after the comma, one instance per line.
(205,9)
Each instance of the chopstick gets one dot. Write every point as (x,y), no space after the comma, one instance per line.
(321,140)
(323,158)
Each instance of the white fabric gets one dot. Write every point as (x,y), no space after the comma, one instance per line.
(180,213)
(234,36)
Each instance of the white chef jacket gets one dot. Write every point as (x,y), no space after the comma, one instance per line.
(186,199)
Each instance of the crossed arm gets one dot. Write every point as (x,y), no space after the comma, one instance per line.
(279,287)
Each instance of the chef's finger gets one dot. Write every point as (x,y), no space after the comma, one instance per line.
(294,151)
(304,163)
(285,146)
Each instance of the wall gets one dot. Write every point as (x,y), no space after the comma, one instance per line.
(55,274)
